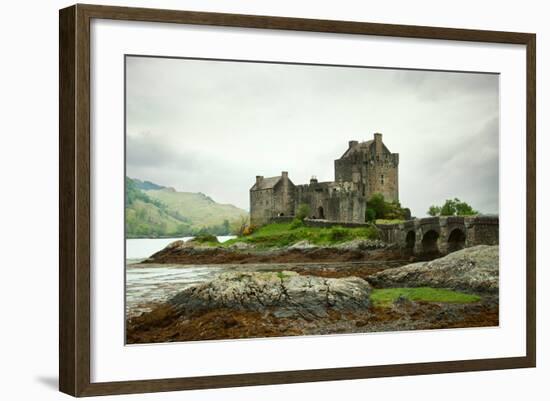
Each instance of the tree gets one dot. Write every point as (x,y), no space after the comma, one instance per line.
(384,210)
(452,207)
(434,211)
(226,228)
(378,204)
(463,209)
(241,225)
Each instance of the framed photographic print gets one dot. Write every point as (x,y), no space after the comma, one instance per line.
(250,200)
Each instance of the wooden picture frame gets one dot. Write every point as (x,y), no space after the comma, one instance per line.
(74,199)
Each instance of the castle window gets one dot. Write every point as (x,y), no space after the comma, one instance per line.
(382,179)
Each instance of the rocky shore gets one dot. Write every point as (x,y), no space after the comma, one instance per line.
(180,252)
(470,269)
(312,298)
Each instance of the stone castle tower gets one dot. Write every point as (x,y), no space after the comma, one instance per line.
(370,165)
(365,168)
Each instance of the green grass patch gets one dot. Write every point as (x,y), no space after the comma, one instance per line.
(285,234)
(387,296)
(389,221)
(206,239)
(282,275)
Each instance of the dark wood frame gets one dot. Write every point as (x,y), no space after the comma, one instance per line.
(74,199)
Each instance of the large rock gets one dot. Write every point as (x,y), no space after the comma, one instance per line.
(472,269)
(285,294)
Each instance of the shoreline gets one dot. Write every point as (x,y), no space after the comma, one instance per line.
(166,324)
(200,255)
(249,293)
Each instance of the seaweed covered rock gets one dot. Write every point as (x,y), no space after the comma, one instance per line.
(285,294)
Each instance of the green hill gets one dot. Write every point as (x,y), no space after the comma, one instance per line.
(165,212)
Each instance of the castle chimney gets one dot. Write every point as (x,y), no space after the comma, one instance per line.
(352,143)
(259,179)
(284,174)
(313,180)
(378,142)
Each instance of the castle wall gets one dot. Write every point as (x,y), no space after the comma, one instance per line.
(332,201)
(382,177)
(377,172)
(343,169)
(271,202)
(284,198)
(261,206)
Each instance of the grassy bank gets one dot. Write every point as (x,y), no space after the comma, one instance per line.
(285,234)
(387,296)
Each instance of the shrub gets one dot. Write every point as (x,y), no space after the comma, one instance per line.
(249,229)
(303,211)
(296,223)
(205,238)
(377,203)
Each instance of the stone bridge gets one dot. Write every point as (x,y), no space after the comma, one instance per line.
(441,235)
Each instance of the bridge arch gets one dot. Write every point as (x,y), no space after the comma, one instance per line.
(456,240)
(429,242)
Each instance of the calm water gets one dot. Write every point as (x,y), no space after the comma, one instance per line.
(145,285)
(153,284)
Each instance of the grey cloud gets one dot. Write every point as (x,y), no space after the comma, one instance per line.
(149,150)
(437,85)
(212,126)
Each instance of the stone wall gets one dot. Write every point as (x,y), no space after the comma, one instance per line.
(320,223)
(483,230)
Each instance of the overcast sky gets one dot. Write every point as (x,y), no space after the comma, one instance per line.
(212,126)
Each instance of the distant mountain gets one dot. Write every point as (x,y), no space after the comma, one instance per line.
(162,212)
(146,185)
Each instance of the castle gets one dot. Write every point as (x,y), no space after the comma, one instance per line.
(365,168)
